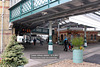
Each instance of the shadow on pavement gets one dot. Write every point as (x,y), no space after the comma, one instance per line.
(93,59)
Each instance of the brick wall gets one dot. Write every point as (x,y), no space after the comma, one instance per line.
(6,33)
(81,33)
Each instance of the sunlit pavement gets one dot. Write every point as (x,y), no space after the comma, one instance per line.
(93,50)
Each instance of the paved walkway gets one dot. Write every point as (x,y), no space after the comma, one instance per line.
(92,51)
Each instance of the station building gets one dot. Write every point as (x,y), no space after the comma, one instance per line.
(5,33)
(72,29)
(25,15)
(92,36)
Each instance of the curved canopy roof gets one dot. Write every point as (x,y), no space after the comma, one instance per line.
(90,19)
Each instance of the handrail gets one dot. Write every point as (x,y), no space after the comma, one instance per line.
(30,7)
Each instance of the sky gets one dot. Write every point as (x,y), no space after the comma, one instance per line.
(87,19)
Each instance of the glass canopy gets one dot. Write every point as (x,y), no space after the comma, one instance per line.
(91,19)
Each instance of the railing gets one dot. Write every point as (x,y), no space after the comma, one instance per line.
(27,7)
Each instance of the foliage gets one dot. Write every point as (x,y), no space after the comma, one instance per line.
(77,42)
(13,54)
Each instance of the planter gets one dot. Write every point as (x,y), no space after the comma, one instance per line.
(77,56)
(20,66)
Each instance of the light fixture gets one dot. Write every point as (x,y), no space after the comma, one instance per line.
(44,13)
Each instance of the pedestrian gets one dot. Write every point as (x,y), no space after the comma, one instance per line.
(65,44)
(41,42)
(34,41)
(47,40)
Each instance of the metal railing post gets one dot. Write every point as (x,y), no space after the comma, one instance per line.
(48,3)
(58,1)
(20,9)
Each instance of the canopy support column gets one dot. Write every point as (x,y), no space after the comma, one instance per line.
(85,39)
(50,45)
(59,20)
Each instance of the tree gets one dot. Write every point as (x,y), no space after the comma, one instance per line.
(13,54)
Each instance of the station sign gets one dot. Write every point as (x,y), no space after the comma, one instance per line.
(41,31)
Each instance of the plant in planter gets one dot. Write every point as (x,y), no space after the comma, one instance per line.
(13,55)
(77,43)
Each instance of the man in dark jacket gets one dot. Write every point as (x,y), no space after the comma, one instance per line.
(34,41)
(65,44)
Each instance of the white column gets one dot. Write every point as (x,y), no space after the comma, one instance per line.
(50,45)
(85,40)
(10,2)
(2,25)
(94,29)
(59,20)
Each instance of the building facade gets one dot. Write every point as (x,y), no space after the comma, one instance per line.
(4,24)
(91,36)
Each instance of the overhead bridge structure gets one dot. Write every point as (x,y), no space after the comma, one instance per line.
(33,13)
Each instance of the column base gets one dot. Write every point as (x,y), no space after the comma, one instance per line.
(50,52)
(50,43)
(85,45)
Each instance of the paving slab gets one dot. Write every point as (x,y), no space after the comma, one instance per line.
(91,50)
(93,59)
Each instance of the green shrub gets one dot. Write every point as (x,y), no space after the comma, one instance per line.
(77,42)
(13,54)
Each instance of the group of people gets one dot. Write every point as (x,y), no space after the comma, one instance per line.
(67,45)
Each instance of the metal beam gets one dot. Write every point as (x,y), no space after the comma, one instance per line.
(71,12)
(96,14)
(85,1)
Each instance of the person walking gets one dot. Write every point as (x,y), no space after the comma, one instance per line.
(34,41)
(65,44)
(41,42)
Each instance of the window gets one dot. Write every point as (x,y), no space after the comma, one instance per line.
(62,37)
(95,37)
(91,37)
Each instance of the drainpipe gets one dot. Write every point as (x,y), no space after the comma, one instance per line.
(2,25)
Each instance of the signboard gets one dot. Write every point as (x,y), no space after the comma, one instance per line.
(19,39)
(71,28)
(41,31)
